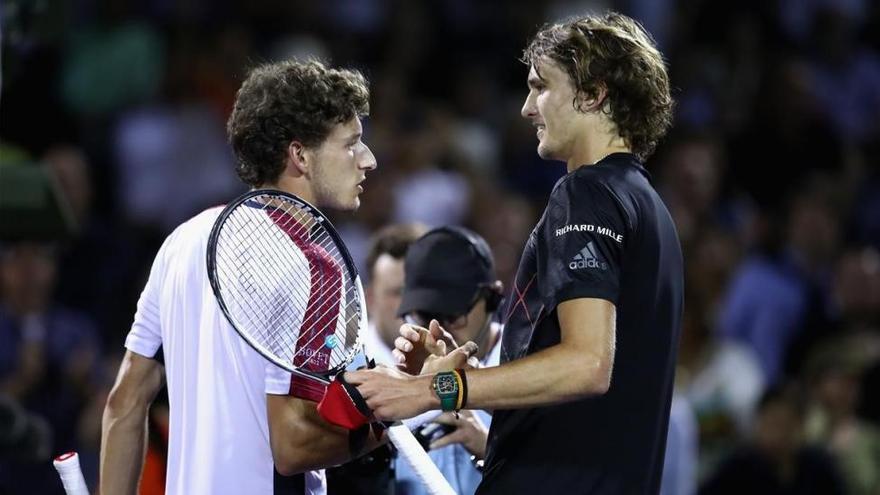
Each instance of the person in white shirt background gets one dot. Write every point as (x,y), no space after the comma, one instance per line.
(384,288)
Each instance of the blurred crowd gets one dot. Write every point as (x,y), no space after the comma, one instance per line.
(772,173)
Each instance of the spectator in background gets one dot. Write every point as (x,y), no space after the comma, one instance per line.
(787,134)
(385,287)
(682,448)
(506,228)
(853,305)
(774,296)
(865,211)
(857,297)
(372,473)
(435,175)
(856,290)
(451,280)
(693,172)
(722,380)
(844,76)
(712,258)
(23,437)
(775,460)
(87,281)
(833,374)
(48,358)
(691,181)
(175,139)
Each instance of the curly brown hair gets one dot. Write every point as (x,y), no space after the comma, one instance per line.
(286,101)
(614,52)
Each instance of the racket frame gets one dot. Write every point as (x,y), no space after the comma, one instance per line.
(399,433)
(350,267)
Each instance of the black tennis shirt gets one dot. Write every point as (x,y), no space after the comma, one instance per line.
(604,234)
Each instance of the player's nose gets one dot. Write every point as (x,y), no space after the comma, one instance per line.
(367,160)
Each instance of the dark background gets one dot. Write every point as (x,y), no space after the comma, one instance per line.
(771,172)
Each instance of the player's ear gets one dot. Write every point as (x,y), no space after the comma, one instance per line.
(298,158)
(594,101)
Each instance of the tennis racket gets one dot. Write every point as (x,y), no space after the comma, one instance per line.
(71,474)
(286,283)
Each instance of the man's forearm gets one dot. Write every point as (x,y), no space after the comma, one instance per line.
(579,366)
(123,445)
(303,441)
(332,448)
(124,425)
(552,376)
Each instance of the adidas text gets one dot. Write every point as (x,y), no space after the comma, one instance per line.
(588,257)
(574,265)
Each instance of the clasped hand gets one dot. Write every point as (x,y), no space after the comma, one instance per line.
(394,394)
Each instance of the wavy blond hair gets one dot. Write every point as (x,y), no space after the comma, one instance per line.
(615,52)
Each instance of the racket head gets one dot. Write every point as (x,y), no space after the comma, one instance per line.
(286,283)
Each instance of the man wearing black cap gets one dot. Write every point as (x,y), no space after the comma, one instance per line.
(450,277)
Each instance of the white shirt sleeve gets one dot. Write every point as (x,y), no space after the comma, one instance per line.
(277,380)
(145,336)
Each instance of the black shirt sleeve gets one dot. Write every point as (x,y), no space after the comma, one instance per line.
(583,239)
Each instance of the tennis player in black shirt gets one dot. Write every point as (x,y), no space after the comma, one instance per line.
(582,396)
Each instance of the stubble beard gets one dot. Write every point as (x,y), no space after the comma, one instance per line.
(326,196)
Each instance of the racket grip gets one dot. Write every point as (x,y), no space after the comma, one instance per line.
(421,419)
(410,449)
(71,474)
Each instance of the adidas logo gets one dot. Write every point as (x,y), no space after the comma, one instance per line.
(587,258)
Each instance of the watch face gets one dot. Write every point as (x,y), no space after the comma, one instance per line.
(446,384)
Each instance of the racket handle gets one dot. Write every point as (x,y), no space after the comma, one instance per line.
(421,419)
(419,461)
(71,474)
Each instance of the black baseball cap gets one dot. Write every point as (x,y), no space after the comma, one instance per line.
(444,271)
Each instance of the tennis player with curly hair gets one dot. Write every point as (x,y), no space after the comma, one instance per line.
(296,126)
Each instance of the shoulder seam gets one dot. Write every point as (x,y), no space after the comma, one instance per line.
(604,185)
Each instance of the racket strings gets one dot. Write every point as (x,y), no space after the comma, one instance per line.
(267,284)
(281,342)
(258,253)
(285,341)
(322,245)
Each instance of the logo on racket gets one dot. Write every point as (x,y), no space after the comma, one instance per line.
(331,341)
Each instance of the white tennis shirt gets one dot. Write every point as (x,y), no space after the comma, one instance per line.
(217,384)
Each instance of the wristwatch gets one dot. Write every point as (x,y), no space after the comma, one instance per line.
(447,386)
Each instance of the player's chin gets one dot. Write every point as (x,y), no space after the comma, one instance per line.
(545,151)
(348,202)
(353,203)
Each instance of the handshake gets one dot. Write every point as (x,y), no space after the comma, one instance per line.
(356,398)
